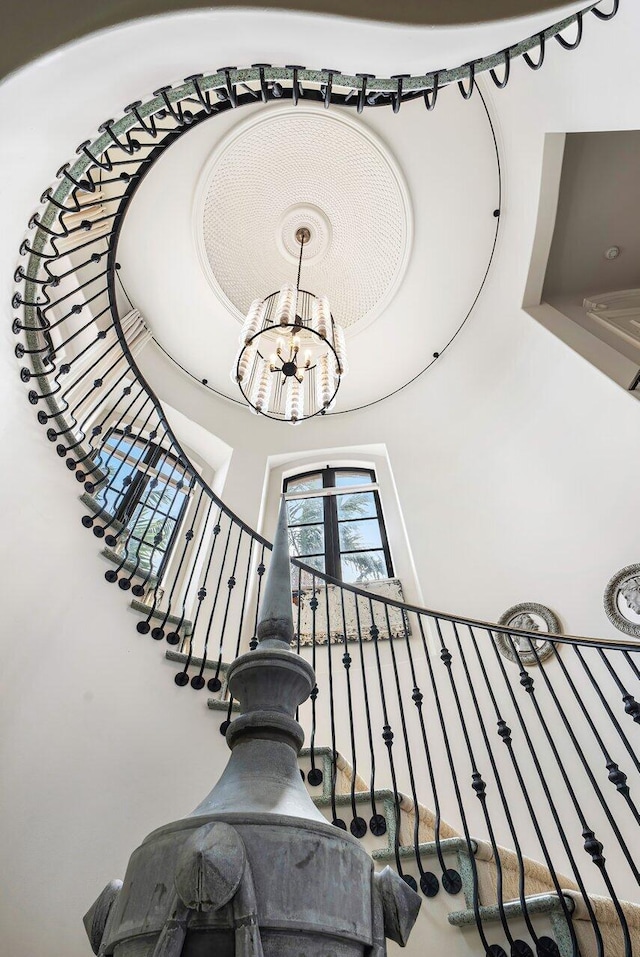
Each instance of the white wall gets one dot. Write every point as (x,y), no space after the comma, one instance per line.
(512,459)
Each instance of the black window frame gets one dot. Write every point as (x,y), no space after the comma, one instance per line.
(331,521)
(144,469)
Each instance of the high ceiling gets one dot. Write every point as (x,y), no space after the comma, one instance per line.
(35,28)
(212,227)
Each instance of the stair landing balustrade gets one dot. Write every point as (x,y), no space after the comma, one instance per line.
(445,739)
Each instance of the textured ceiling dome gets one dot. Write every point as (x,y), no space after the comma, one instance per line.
(298,167)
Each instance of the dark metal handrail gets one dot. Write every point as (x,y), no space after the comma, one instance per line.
(429,695)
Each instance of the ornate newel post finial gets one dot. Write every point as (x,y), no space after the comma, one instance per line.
(275,624)
(256,870)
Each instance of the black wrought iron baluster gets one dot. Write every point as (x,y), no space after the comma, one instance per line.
(480,788)
(527,683)
(217,685)
(214,605)
(144,444)
(606,16)
(202,95)
(407,747)
(631,706)
(362,92)
(520,945)
(101,431)
(64,369)
(358,826)
(504,732)
(133,569)
(135,476)
(150,130)
(607,707)
(377,822)
(126,436)
(536,64)
(231,583)
(70,411)
(501,83)
(337,821)
(75,464)
(387,737)
(471,81)
(573,44)
(214,686)
(158,633)
(328,86)
(260,570)
(451,880)
(592,845)
(129,146)
(182,678)
(315,776)
(296,89)
(429,883)
(617,777)
(632,664)
(298,599)
(176,489)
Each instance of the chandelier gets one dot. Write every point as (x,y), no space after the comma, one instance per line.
(292,353)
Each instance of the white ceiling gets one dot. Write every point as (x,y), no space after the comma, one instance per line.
(598,207)
(291,167)
(447,160)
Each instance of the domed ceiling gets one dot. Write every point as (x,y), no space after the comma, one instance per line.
(400,210)
(324,171)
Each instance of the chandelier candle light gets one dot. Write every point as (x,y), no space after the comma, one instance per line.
(292,353)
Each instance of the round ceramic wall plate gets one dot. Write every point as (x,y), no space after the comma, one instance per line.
(527,616)
(622,600)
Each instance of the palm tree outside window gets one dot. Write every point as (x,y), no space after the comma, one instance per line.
(146,493)
(336,525)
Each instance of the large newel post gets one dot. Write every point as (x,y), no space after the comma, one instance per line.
(256,870)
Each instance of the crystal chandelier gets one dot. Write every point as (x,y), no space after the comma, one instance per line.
(292,353)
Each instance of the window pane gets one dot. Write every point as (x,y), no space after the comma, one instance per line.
(170,469)
(356,505)
(148,543)
(121,474)
(306,540)
(305,511)
(352,477)
(306,484)
(315,561)
(362,534)
(363,566)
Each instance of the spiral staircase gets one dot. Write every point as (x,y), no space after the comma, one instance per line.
(503,791)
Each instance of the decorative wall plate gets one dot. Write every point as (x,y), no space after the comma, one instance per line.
(528,616)
(622,600)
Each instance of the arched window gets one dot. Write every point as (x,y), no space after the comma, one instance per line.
(146,494)
(336,524)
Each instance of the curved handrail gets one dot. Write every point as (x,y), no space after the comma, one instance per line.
(432,694)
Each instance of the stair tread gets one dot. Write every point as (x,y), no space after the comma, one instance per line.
(216,704)
(603,907)
(361,797)
(448,845)
(536,904)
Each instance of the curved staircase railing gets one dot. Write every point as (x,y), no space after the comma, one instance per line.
(513,766)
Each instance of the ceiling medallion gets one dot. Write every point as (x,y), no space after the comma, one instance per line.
(292,353)
(288,167)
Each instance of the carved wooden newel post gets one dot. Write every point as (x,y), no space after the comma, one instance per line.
(256,869)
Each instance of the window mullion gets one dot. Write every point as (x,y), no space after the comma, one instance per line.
(331,537)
